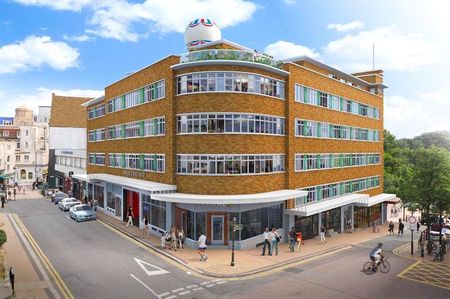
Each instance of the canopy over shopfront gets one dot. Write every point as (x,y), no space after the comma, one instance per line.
(373,200)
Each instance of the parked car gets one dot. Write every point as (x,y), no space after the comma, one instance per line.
(82,212)
(59,196)
(66,203)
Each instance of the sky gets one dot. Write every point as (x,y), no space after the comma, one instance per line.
(77,47)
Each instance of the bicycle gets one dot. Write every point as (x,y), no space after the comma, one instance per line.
(370,267)
(439,254)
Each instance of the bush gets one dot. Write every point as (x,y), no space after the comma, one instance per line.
(2,237)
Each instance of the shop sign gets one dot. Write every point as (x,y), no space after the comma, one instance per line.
(133,174)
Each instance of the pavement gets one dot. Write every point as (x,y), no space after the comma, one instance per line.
(247,261)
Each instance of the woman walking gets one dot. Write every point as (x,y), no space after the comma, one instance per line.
(145,227)
(180,237)
(129,216)
(274,242)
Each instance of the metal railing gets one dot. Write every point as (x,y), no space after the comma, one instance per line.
(228,54)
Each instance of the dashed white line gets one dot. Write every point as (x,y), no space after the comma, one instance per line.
(192,286)
(173,296)
(184,293)
(205,282)
(198,289)
(177,290)
(164,294)
(221,282)
(210,285)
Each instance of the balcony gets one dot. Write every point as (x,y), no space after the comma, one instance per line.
(227,54)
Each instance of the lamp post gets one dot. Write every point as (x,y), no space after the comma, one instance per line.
(232,244)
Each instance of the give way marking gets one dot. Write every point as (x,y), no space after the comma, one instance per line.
(158,271)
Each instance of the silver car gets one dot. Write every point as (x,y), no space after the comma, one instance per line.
(67,203)
(82,213)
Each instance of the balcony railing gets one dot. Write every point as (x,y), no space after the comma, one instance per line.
(227,54)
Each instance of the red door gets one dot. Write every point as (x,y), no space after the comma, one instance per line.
(132,200)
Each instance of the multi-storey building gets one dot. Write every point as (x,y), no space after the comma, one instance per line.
(67,154)
(223,132)
(8,142)
(32,148)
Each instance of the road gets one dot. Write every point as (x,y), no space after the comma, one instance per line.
(97,262)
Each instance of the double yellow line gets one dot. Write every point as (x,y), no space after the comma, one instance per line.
(45,262)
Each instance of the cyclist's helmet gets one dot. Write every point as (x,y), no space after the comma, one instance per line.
(380,244)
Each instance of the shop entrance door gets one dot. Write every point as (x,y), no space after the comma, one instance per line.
(217,230)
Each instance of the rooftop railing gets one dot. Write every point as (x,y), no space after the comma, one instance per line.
(228,54)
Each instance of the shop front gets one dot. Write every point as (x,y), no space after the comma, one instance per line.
(308,226)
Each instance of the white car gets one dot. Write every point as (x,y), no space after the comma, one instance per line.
(66,203)
(82,212)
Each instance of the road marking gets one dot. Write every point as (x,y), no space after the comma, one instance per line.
(35,258)
(210,285)
(409,268)
(177,290)
(146,286)
(437,275)
(164,294)
(198,289)
(192,286)
(59,281)
(160,271)
(184,293)
(221,282)
(171,297)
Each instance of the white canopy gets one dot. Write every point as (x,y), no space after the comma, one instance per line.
(367,202)
(120,180)
(266,197)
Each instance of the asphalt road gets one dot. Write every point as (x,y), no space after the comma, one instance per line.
(96,262)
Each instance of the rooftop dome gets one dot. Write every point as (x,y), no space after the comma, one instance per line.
(201,31)
(24,107)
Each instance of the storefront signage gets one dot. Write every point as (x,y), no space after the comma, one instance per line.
(66,153)
(133,174)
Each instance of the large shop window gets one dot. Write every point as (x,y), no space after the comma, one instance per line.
(308,226)
(155,211)
(99,196)
(214,123)
(114,199)
(332,219)
(254,222)
(229,82)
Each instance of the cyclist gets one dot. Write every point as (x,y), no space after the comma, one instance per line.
(376,255)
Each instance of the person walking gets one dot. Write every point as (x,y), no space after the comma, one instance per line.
(173,237)
(12,277)
(266,241)
(14,193)
(274,242)
(129,216)
(292,235)
(401,226)
(145,227)
(3,200)
(299,238)
(391,227)
(202,247)
(322,234)
(418,226)
(180,237)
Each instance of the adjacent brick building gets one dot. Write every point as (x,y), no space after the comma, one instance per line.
(222,132)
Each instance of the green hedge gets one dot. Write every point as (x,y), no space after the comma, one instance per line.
(2,237)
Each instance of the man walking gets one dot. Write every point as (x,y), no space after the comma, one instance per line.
(130,216)
(266,241)
(401,226)
(3,200)
(292,239)
(202,247)
(322,234)
(11,278)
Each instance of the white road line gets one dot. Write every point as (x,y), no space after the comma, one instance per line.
(145,286)
(171,297)
(192,286)
(177,290)
(210,285)
(198,289)
(184,293)
(215,280)
(164,294)
(221,282)
(34,257)
(205,282)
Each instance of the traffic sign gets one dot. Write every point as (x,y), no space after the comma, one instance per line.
(412,219)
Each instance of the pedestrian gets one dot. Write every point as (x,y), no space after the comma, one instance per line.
(377,226)
(374,226)
(266,241)
(299,237)
(292,235)
(130,216)
(173,237)
(322,234)
(180,237)
(391,227)
(145,227)
(401,226)
(276,238)
(3,200)
(418,226)
(202,247)
(11,278)
(24,187)
(9,195)
(14,193)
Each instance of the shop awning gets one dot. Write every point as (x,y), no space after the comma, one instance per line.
(328,204)
(368,202)
(124,181)
(266,197)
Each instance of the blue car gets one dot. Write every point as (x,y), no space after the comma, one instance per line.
(82,213)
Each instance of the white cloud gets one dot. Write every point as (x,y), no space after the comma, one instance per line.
(40,97)
(117,19)
(283,49)
(394,50)
(72,5)
(289,2)
(346,27)
(78,38)
(34,52)
(425,112)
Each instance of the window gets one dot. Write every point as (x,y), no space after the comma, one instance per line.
(132,130)
(96,111)
(155,163)
(30,175)
(154,91)
(229,82)
(304,162)
(154,126)
(319,98)
(131,99)
(132,161)
(26,158)
(230,164)
(97,159)
(230,123)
